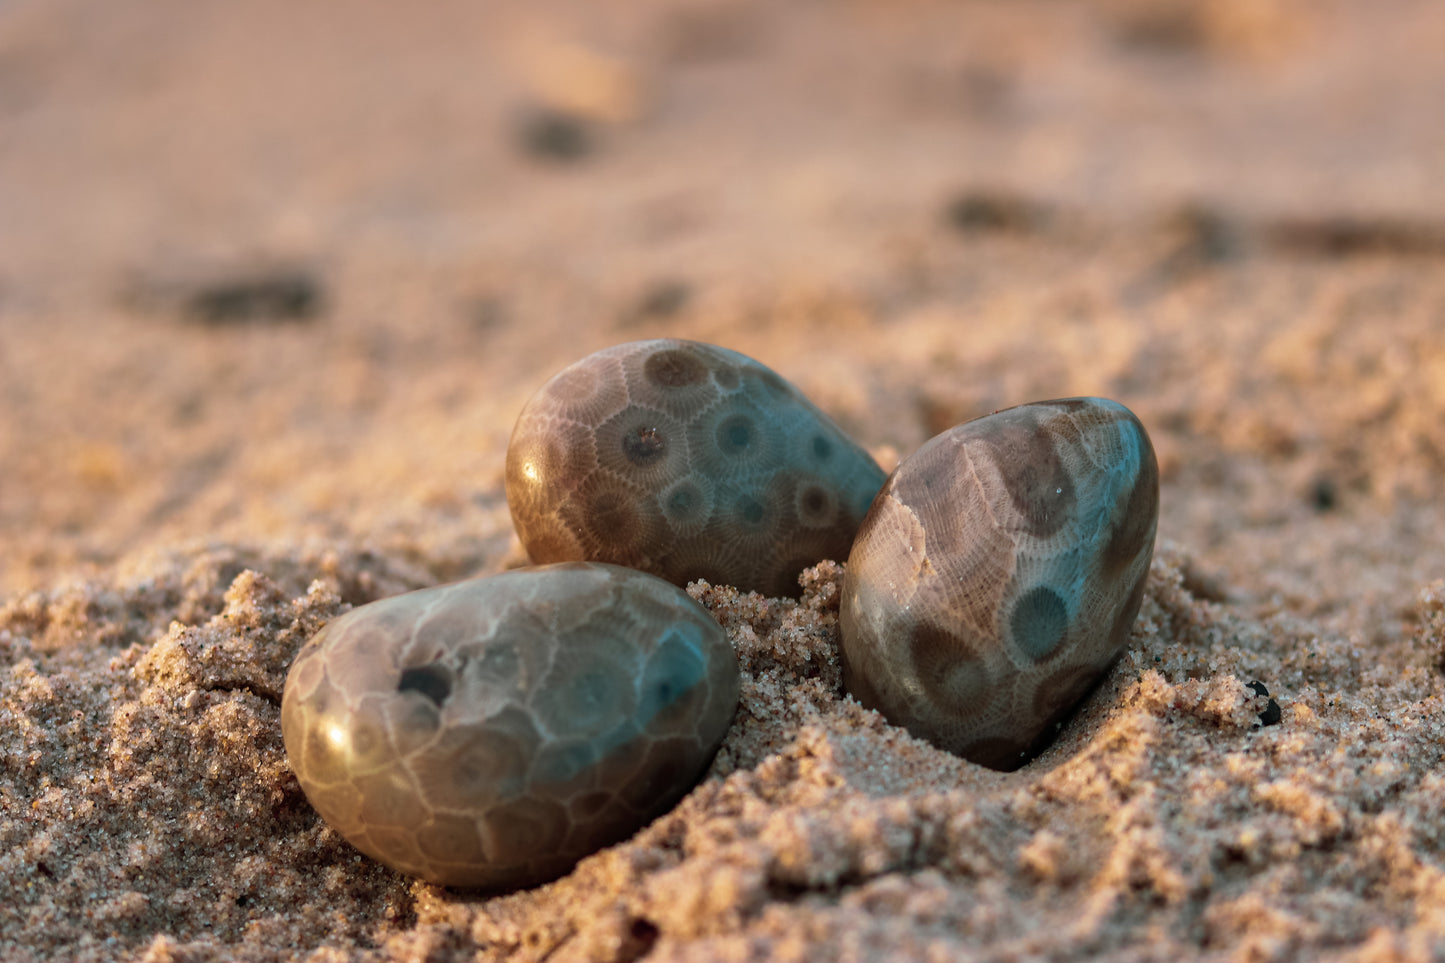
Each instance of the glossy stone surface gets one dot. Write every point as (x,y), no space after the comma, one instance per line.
(688,461)
(492,732)
(998,575)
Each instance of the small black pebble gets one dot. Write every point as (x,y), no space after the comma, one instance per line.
(1271,714)
(1323,495)
(434,682)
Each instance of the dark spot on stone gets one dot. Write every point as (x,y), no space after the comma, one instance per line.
(1039,622)
(1037,483)
(684,501)
(822,448)
(735,434)
(674,368)
(936,653)
(643,445)
(815,501)
(244,900)
(612,516)
(932,648)
(555,135)
(433,681)
(44,869)
(1323,494)
(281,295)
(675,676)
(751,510)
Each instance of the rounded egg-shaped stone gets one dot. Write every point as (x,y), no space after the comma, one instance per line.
(688,461)
(492,732)
(998,574)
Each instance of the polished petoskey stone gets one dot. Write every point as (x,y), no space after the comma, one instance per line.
(689,461)
(492,732)
(998,574)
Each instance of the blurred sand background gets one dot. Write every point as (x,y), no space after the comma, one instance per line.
(275,279)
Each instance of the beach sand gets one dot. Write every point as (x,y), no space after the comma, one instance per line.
(276,279)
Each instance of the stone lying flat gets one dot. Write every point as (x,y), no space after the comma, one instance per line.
(492,732)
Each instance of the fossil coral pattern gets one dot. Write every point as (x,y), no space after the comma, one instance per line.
(688,461)
(998,574)
(492,732)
